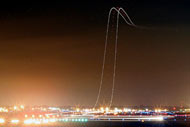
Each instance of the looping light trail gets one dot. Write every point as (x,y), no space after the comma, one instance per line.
(129,22)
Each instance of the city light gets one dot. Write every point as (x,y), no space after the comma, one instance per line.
(102,109)
(35,116)
(56,71)
(2,121)
(22,106)
(2,109)
(15,121)
(15,107)
(28,121)
(78,110)
(107,109)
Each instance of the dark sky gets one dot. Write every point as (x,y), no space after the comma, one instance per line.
(51,53)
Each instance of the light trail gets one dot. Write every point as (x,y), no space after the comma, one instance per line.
(130,22)
(152,118)
(115,60)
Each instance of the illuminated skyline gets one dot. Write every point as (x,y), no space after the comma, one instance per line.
(52,54)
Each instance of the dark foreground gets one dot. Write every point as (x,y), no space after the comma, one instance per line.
(113,124)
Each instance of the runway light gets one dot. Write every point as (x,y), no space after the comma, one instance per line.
(160,118)
(52,120)
(45,121)
(2,121)
(116,110)
(15,121)
(28,121)
(37,122)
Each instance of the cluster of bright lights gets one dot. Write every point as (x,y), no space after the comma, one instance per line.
(52,120)
(160,110)
(3,109)
(44,121)
(48,115)
(18,108)
(13,108)
(116,111)
(39,121)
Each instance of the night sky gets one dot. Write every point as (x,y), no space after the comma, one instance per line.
(51,53)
